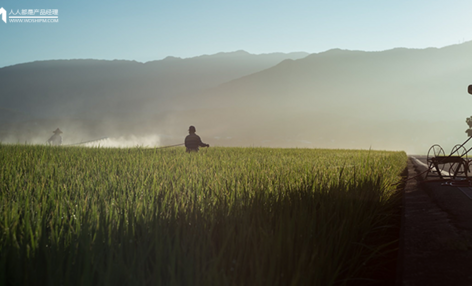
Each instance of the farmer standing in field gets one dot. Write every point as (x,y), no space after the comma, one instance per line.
(193,141)
(56,139)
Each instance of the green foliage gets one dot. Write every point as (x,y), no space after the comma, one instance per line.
(223,216)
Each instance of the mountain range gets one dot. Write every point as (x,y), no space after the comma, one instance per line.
(399,99)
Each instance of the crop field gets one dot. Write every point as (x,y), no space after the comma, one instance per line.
(223,216)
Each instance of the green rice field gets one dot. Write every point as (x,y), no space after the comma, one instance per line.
(223,216)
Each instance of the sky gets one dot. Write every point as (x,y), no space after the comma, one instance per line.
(152,30)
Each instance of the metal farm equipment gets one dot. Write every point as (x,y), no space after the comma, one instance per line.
(456,164)
(452,166)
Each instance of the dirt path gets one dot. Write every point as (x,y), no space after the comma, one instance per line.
(436,241)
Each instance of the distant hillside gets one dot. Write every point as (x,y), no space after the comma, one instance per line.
(92,88)
(403,99)
(400,99)
(97,97)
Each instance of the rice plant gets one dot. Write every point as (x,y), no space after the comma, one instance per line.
(223,216)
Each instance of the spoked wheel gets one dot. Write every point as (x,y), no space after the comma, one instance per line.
(458,150)
(433,153)
(458,169)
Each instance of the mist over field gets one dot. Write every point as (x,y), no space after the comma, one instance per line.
(399,99)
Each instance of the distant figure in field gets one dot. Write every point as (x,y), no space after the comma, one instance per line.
(193,141)
(56,139)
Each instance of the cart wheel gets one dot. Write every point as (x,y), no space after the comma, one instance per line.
(457,170)
(458,150)
(435,151)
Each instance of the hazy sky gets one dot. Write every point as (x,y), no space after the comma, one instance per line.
(152,30)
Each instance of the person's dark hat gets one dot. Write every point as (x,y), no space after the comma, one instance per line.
(192,129)
(57,131)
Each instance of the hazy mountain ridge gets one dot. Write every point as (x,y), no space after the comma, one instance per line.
(396,99)
(351,76)
(98,86)
(127,93)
